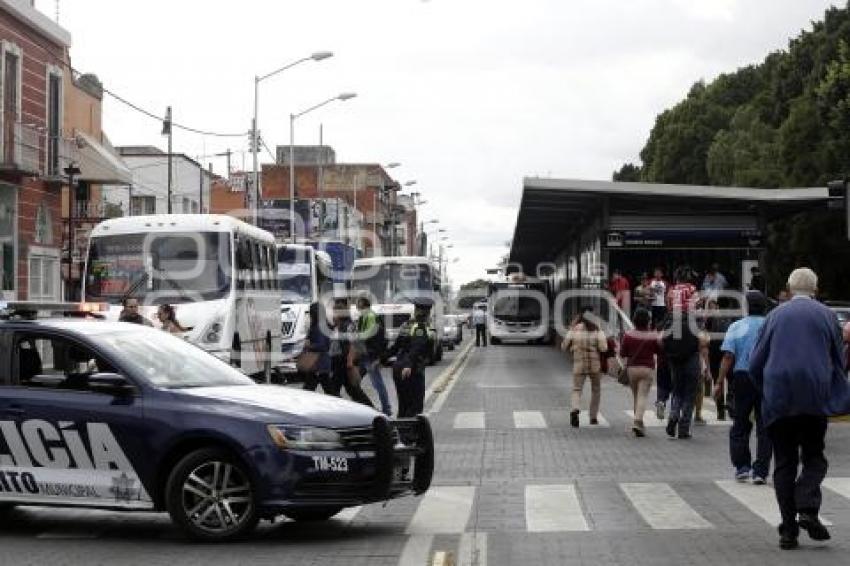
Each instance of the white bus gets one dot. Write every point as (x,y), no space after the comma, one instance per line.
(392,283)
(304,278)
(519,309)
(219,273)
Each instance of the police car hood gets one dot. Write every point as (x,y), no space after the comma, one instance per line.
(277,404)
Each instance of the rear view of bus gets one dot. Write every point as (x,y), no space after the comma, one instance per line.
(217,272)
(392,284)
(519,310)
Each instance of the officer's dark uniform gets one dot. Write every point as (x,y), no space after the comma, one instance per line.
(412,348)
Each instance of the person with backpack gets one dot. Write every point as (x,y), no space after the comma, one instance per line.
(412,349)
(372,344)
(682,350)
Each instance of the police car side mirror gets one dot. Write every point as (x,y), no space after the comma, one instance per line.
(108,382)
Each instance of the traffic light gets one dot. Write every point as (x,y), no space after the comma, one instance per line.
(839,199)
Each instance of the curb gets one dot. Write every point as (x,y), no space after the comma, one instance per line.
(445,378)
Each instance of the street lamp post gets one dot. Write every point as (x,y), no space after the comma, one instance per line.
(292,117)
(72,170)
(318,56)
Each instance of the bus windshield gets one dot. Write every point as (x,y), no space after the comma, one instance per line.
(393,282)
(294,271)
(513,303)
(159,267)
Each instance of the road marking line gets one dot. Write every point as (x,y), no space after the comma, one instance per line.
(584,420)
(472,550)
(348,514)
(416,550)
(443,510)
(529,419)
(662,508)
(553,508)
(443,385)
(469,420)
(758,499)
(650,421)
(841,486)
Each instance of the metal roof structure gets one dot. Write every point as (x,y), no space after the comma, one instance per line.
(553,211)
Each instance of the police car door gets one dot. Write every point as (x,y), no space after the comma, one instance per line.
(66,441)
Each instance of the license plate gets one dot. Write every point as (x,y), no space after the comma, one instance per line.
(403,470)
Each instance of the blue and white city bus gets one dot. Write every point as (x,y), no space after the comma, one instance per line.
(219,273)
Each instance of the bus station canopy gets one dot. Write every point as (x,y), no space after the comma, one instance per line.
(554,212)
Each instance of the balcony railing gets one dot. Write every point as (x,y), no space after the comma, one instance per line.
(23,148)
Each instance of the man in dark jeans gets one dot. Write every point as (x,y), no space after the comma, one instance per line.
(737,347)
(796,365)
(479,320)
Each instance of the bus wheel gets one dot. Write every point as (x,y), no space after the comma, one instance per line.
(236,352)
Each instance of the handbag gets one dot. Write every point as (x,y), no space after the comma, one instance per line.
(622,372)
(307,362)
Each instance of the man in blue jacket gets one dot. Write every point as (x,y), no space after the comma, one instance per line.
(796,364)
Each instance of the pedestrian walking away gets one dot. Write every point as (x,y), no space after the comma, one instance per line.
(639,349)
(585,341)
(796,366)
(372,343)
(737,347)
(411,350)
(168,319)
(682,350)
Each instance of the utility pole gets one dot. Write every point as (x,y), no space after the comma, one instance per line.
(166,130)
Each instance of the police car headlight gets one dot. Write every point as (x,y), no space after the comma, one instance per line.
(305,438)
(212,334)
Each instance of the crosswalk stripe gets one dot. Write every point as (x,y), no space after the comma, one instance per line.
(443,510)
(469,420)
(841,486)
(553,508)
(472,550)
(529,419)
(416,551)
(347,515)
(760,500)
(650,420)
(662,508)
(584,420)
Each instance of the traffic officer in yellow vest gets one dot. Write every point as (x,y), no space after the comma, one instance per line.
(412,349)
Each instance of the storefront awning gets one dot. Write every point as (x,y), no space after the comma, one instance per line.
(98,163)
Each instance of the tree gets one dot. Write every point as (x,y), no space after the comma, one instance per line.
(629,172)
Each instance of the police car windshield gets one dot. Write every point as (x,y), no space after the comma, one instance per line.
(168,362)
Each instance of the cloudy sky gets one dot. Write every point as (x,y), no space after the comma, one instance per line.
(469,95)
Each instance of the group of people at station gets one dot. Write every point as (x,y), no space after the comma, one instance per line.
(340,352)
(786,369)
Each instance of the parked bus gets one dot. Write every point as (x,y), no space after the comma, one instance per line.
(519,309)
(304,277)
(392,283)
(219,273)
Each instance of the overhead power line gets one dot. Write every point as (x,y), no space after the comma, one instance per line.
(115,95)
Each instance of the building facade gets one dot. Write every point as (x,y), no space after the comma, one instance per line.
(147,193)
(366,187)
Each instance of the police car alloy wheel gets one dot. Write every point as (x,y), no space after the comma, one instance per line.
(308,514)
(211,496)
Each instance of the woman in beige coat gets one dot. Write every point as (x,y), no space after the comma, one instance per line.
(586,342)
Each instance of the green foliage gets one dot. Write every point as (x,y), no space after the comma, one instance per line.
(782,123)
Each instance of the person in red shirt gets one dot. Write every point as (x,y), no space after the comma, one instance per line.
(639,348)
(682,296)
(621,289)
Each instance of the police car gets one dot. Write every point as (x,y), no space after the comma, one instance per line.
(121,416)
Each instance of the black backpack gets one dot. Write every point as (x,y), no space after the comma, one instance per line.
(376,344)
(679,342)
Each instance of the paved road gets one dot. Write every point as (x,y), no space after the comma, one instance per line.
(514,484)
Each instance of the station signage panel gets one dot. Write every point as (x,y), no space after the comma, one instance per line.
(683,239)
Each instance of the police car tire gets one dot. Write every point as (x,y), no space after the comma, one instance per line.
(174,496)
(311,514)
